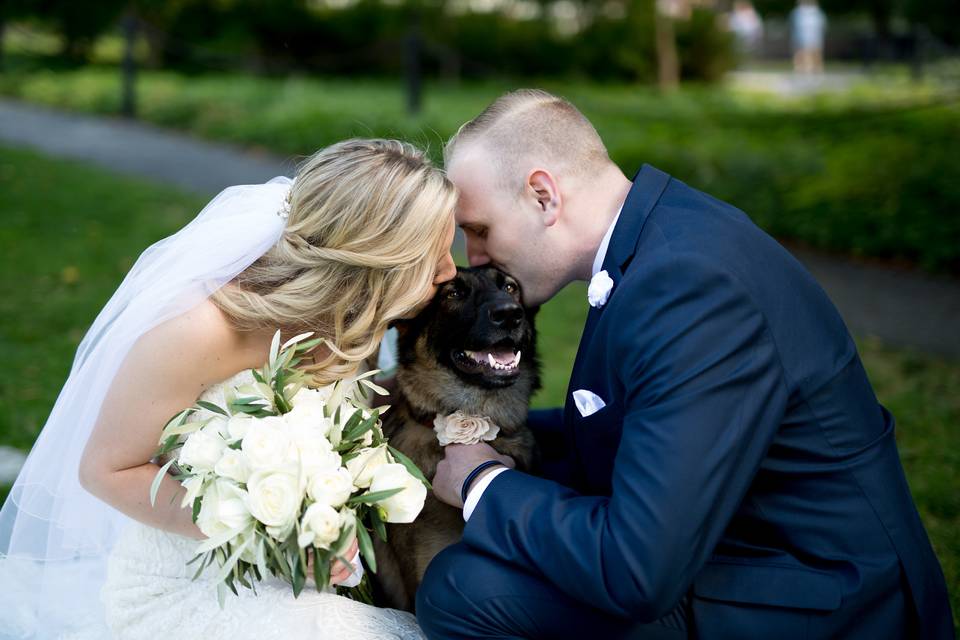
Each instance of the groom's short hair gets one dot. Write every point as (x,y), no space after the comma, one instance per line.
(532,125)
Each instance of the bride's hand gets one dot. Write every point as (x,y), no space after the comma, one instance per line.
(338,572)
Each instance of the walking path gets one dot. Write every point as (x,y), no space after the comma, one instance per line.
(136,149)
(901,307)
(789,84)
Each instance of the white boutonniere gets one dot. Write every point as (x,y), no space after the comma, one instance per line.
(461,428)
(599,290)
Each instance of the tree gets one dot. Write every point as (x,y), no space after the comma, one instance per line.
(78,22)
(668,62)
(941,17)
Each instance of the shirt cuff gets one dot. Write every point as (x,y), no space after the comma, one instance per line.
(476,491)
(357,575)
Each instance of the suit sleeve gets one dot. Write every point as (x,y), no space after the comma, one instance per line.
(703,395)
(546,424)
(553,461)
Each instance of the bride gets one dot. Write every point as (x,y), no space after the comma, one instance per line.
(361,238)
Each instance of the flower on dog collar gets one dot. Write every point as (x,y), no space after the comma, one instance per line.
(599,290)
(461,428)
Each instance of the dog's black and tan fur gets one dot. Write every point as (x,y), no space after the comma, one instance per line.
(444,366)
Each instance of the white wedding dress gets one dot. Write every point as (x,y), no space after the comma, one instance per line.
(149,593)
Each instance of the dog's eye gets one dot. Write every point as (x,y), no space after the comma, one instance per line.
(510,288)
(452,294)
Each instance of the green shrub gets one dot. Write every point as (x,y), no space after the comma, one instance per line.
(369,38)
(870,174)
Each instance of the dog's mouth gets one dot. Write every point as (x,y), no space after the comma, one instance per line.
(500,362)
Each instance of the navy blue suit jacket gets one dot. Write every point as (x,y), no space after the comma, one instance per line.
(741,458)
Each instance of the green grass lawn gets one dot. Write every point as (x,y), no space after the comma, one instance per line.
(871,171)
(70,233)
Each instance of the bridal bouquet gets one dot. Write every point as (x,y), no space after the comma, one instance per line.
(285,473)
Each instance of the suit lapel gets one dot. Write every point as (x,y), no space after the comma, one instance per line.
(648,186)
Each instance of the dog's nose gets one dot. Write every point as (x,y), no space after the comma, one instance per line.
(506,315)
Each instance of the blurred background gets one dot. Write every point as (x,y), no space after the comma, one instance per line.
(836,127)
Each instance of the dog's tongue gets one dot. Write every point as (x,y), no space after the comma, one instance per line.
(503,357)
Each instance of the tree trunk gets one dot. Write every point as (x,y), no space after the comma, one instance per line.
(129,68)
(881,15)
(156,45)
(668,63)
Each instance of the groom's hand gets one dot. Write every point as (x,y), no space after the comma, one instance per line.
(339,571)
(458,461)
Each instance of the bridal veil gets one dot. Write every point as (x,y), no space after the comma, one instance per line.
(54,536)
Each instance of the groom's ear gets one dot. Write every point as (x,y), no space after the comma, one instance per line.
(544,188)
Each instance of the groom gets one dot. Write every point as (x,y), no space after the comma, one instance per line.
(721,468)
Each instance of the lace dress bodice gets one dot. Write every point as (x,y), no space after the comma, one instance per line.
(150,592)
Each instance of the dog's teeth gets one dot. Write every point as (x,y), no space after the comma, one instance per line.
(516,359)
(493,362)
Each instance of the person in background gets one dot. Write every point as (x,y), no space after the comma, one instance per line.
(747,27)
(808,24)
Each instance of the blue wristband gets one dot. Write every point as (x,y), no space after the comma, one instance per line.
(480,468)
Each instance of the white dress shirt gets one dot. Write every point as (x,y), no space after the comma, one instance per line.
(605,244)
(476,491)
(479,486)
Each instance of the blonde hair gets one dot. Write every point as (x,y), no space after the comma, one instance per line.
(367,223)
(532,125)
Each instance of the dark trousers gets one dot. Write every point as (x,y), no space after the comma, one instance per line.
(469,595)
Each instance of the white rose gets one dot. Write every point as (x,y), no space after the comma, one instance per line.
(332,487)
(363,466)
(267,444)
(233,464)
(311,398)
(217,425)
(405,506)
(320,526)
(309,415)
(238,425)
(274,499)
(223,508)
(316,397)
(312,448)
(202,450)
(462,428)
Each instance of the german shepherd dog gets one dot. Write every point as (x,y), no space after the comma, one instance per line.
(471,350)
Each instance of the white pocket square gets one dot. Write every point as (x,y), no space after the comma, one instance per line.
(587,402)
